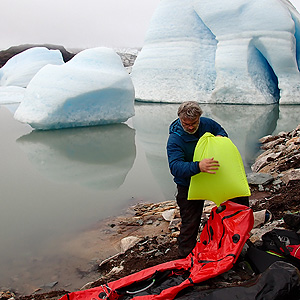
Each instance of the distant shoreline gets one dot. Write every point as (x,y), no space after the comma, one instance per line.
(6,54)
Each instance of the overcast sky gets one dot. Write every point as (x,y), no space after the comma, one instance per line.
(75,23)
(78,23)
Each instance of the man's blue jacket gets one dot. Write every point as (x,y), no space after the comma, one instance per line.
(181,146)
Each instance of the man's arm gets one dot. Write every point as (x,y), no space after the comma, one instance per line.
(178,166)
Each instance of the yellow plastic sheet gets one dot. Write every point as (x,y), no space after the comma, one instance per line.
(229,181)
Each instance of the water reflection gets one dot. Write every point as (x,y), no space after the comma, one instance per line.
(152,122)
(98,157)
(245,124)
(289,118)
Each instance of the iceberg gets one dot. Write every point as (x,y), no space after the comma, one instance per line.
(214,51)
(11,94)
(93,88)
(21,68)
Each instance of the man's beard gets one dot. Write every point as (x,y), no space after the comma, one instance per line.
(191,132)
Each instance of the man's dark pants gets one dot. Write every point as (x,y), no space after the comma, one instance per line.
(191,213)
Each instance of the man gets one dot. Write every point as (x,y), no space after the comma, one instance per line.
(184,134)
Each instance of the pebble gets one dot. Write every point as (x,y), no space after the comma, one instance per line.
(260,188)
(158,253)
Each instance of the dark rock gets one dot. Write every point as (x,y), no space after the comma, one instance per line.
(7,54)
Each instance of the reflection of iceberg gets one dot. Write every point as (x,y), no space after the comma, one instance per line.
(99,157)
(246,124)
(152,122)
(289,118)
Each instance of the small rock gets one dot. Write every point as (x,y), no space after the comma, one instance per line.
(264,159)
(272,144)
(259,178)
(277,181)
(162,239)
(151,251)
(261,217)
(168,215)
(175,234)
(291,175)
(257,233)
(140,222)
(128,242)
(175,225)
(50,284)
(115,270)
(260,188)
(267,138)
(282,134)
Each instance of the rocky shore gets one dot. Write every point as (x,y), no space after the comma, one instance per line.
(148,233)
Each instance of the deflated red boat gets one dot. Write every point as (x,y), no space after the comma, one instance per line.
(221,242)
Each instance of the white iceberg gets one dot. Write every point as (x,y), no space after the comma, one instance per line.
(21,68)
(215,51)
(93,88)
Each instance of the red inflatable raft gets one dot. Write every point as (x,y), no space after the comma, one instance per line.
(221,242)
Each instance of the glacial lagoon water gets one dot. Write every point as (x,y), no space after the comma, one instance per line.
(55,184)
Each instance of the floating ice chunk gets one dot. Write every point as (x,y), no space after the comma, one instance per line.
(216,51)
(93,88)
(20,69)
(11,94)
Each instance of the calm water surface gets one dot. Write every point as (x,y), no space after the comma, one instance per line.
(54,184)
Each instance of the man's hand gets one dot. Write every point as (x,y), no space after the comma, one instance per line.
(208,165)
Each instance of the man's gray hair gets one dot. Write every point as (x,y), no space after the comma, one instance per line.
(189,110)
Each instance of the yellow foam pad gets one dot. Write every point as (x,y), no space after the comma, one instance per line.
(229,181)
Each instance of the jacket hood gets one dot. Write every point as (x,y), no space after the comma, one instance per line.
(176,128)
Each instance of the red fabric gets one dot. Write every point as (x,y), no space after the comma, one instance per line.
(221,242)
(295,250)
